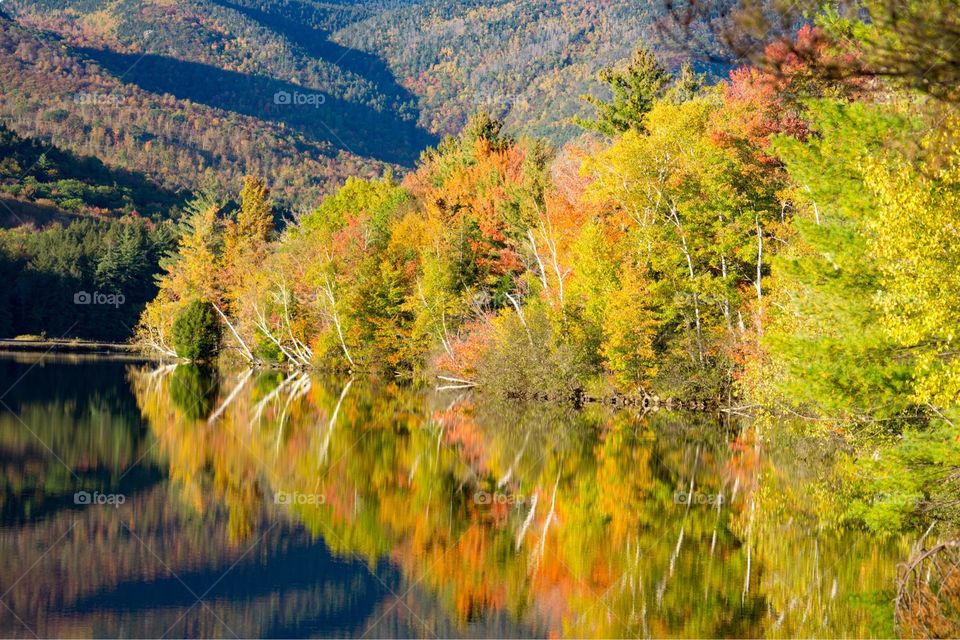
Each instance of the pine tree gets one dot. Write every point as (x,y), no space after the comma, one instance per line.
(827,342)
(635,87)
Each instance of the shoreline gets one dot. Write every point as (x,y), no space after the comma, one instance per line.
(74,347)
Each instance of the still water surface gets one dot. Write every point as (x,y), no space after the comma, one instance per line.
(144,502)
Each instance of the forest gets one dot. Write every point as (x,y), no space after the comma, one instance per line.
(780,243)
(53,275)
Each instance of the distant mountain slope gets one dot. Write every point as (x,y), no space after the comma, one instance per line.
(188,125)
(529,61)
(40,183)
(301,91)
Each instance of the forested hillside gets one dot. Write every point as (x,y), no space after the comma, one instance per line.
(203,92)
(58,94)
(40,182)
(527,62)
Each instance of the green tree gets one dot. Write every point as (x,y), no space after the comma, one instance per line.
(827,343)
(196,332)
(634,86)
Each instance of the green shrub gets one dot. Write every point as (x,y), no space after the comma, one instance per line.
(196,332)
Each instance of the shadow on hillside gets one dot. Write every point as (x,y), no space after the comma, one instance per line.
(15,213)
(351,127)
(317,43)
(54,168)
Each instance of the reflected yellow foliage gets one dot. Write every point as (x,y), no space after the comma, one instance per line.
(593,523)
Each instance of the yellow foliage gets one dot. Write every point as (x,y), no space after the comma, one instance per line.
(917,243)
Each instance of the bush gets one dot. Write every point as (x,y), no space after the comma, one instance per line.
(196,332)
(533,359)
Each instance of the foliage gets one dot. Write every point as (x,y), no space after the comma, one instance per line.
(916,227)
(195,333)
(832,350)
(527,359)
(774,238)
(526,61)
(47,272)
(186,124)
(786,241)
(693,205)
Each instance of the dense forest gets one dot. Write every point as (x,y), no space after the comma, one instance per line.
(88,277)
(128,109)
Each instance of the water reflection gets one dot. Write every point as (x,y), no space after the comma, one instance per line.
(260,504)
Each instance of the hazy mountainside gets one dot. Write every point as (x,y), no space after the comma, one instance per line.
(201,92)
(63,95)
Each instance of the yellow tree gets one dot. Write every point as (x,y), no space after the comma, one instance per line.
(917,243)
(247,238)
(193,273)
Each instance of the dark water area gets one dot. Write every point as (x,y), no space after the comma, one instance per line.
(145,501)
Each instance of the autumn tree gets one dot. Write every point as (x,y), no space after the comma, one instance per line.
(246,238)
(191,273)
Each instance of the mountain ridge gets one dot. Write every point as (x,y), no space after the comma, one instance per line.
(191,94)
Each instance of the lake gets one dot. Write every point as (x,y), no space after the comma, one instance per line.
(160,501)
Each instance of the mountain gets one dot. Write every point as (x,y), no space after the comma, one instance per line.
(78,99)
(193,93)
(528,61)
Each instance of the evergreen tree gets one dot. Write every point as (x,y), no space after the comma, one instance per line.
(196,332)
(634,86)
(828,344)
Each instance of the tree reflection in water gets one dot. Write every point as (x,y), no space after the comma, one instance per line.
(347,506)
